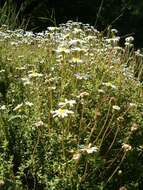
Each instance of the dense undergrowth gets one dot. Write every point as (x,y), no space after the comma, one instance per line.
(71,110)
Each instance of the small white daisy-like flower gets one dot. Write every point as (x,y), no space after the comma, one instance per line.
(83,94)
(30,104)
(77,31)
(35,74)
(133,105)
(39,124)
(63,50)
(92,150)
(3,107)
(61,113)
(115,107)
(134,127)
(71,103)
(126,147)
(2,71)
(25,81)
(109,84)
(78,49)
(129,39)
(76,61)
(88,149)
(113,30)
(74,42)
(76,156)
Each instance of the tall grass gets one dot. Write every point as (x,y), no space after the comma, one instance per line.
(10,15)
(71,110)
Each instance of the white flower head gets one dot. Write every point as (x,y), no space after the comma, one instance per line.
(92,150)
(3,107)
(115,31)
(126,147)
(133,104)
(134,127)
(30,104)
(62,113)
(25,81)
(71,103)
(129,39)
(39,124)
(115,107)
(62,50)
(35,74)
(88,149)
(75,60)
(76,156)
(109,84)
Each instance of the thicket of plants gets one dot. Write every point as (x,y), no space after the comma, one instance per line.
(71,110)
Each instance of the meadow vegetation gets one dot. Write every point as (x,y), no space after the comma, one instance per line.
(71,110)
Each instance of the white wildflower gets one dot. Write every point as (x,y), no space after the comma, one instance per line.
(109,84)
(88,149)
(115,107)
(83,94)
(63,50)
(74,42)
(115,31)
(61,113)
(76,61)
(2,71)
(133,104)
(76,156)
(129,39)
(134,127)
(126,147)
(25,81)
(123,188)
(77,49)
(39,124)
(35,74)
(91,150)
(67,102)
(3,108)
(30,104)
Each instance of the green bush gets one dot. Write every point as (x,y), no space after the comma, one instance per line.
(71,110)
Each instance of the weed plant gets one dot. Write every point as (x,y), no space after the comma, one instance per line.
(71,110)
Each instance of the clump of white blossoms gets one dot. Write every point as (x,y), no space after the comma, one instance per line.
(62,113)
